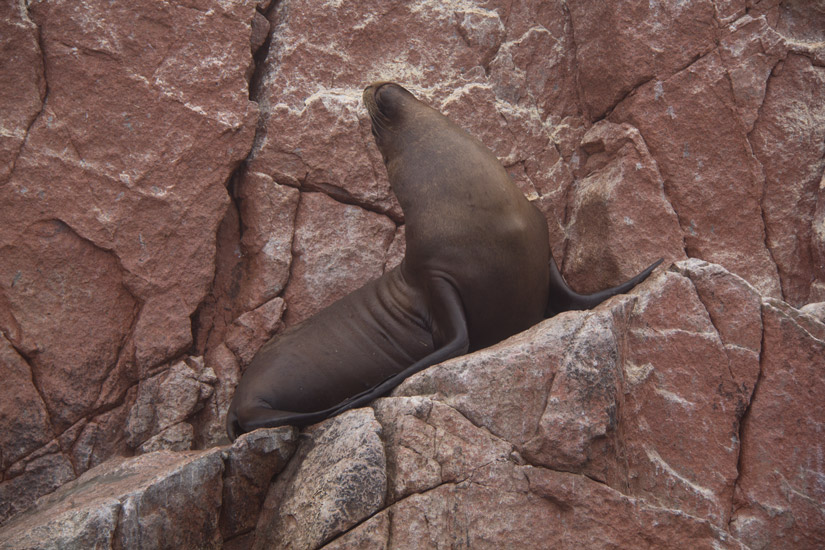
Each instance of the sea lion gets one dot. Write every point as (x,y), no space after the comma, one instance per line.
(477,269)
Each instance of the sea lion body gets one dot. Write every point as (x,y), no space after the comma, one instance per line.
(477,269)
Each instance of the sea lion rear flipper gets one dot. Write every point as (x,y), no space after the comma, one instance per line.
(563,298)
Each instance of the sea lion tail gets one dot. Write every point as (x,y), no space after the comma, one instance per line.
(564,298)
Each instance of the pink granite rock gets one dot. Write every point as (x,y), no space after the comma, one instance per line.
(691,126)
(780,497)
(152,212)
(158,500)
(251,462)
(252,329)
(789,141)
(267,211)
(337,248)
(656,39)
(24,84)
(337,479)
(620,219)
(121,129)
(165,401)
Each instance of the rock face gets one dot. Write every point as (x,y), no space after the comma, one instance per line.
(620,427)
(179,182)
(163,499)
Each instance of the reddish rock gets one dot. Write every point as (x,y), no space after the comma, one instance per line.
(103,435)
(123,127)
(683,401)
(640,129)
(780,496)
(54,278)
(789,141)
(337,249)
(24,84)
(267,211)
(691,126)
(533,66)
(336,480)
(428,444)
(210,423)
(40,473)
(620,220)
(251,463)
(157,500)
(251,330)
(167,399)
(22,410)
(656,39)
(603,393)
(177,437)
(295,149)
(816,310)
(509,506)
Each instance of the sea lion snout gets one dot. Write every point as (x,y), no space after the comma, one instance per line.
(385,99)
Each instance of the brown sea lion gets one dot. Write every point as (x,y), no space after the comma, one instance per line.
(477,269)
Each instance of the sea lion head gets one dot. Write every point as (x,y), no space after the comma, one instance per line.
(391,108)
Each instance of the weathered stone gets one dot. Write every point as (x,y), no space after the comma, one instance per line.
(103,435)
(780,496)
(51,278)
(429,443)
(656,39)
(121,125)
(252,329)
(789,141)
(36,475)
(168,398)
(586,392)
(24,89)
(251,462)
(508,506)
(692,128)
(22,412)
(268,215)
(337,249)
(734,308)
(682,400)
(157,500)
(177,437)
(620,219)
(211,421)
(817,310)
(336,479)
(640,129)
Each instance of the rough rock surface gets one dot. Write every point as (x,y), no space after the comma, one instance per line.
(163,499)
(179,182)
(619,427)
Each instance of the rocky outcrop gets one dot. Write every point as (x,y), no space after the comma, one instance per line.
(627,426)
(163,499)
(179,182)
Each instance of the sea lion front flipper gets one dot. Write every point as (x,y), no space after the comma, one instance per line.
(563,298)
(450,336)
